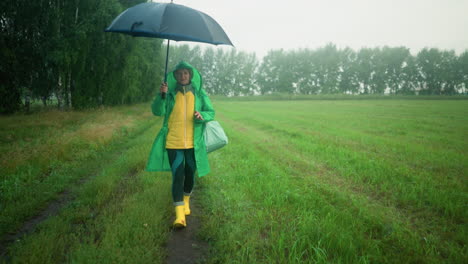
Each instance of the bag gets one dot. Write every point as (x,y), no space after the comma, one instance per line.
(215,138)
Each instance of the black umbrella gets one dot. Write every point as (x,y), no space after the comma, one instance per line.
(169,21)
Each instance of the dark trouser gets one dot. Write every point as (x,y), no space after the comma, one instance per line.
(183,173)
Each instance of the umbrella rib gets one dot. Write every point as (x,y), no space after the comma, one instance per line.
(206,19)
(162,18)
(203,16)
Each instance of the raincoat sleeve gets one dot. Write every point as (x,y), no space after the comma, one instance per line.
(207,111)
(158,107)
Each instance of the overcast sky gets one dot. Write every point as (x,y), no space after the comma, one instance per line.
(261,25)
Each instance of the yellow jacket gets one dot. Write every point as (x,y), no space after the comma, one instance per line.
(180,133)
(158,159)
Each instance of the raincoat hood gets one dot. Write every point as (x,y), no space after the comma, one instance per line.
(196,79)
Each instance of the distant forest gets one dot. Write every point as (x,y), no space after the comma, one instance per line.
(57,51)
(329,70)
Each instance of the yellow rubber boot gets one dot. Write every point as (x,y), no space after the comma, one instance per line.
(187,204)
(180,217)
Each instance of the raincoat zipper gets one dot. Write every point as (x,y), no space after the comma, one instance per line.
(185,119)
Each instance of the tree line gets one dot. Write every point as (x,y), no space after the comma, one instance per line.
(57,50)
(329,70)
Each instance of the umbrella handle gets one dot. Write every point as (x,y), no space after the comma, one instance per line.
(163,95)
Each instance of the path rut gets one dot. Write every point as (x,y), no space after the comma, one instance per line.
(183,246)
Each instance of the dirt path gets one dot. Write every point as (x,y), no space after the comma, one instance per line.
(51,209)
(30,225)
(183,246)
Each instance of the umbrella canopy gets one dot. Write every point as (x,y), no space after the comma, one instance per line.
(169,21)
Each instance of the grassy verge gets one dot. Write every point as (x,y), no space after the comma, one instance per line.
(339,182)
(45,153)
(313,181)
(302,97)
(118,216)
(115,212)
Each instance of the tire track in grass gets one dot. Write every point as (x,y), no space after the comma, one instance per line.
(301,167)
(182,246)
(385,188)
(88,228)
(45,155)
(64,198)
(115,198)
(103,220)
(67,196)
(443,198)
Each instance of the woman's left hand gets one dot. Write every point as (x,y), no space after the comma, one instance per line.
(198,115)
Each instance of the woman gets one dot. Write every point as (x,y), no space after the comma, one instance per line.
(180,146)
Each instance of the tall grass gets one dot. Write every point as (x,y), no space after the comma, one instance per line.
(115,212)
(42,154)
(302,97)
(340,182)
(119,216)
(304,181)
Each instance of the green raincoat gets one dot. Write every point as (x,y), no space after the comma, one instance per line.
(158,158)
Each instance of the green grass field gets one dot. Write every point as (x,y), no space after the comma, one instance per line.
(308,181)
